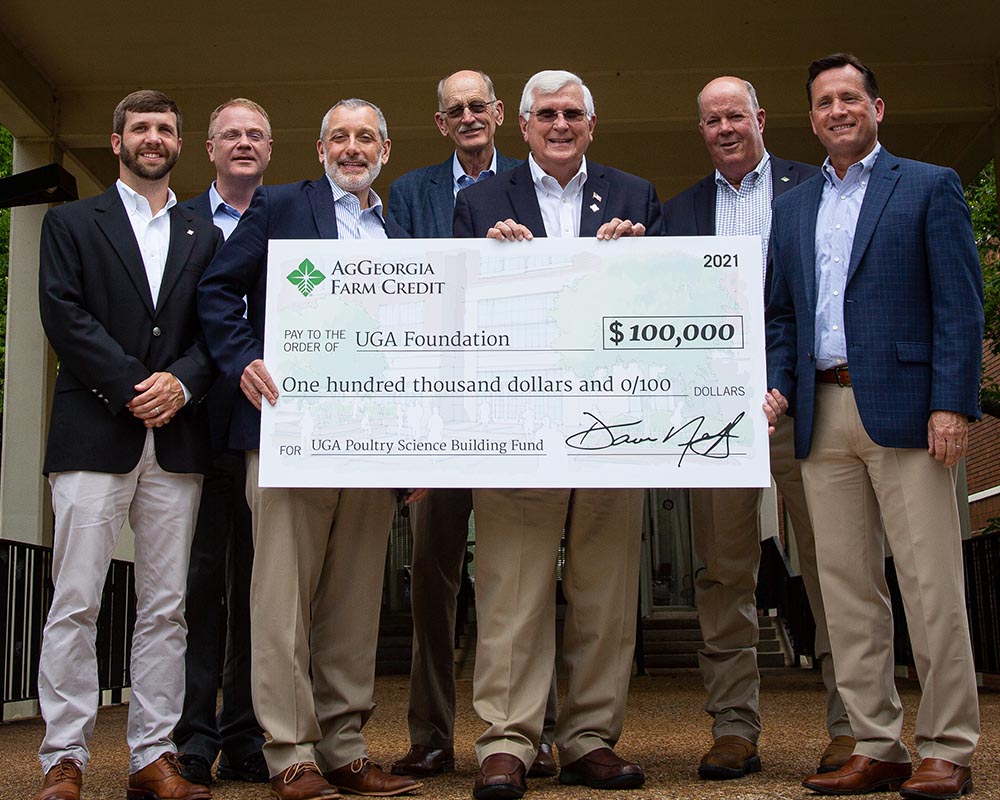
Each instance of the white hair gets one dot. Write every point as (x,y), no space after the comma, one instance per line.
(550,81)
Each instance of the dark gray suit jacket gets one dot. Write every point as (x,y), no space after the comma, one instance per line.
(692,212)
(422,201)
(512,196)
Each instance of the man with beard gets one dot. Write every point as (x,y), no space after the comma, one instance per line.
(117,281)
(316,589)
(239,145)
(423,202)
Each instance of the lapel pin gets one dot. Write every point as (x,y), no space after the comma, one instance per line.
(784,179)
(597,197)
(594,207)
(190,232)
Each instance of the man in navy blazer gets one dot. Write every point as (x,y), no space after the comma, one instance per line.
(423,203)
(218,592)
(874,332)
(316,589)
(556,193)
(127,439)
(736,200)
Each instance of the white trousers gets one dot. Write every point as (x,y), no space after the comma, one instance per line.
(90,509)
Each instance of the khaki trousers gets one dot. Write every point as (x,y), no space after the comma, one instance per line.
(517,541)
(315,597)
(854,487)
(727,540)
(440,525)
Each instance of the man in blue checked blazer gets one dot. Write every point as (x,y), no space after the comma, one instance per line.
(874,333)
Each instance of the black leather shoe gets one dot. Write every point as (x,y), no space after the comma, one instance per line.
(424,762)
(195,768)
(252,769)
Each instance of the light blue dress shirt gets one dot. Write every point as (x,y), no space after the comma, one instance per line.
(836,221)
(352,221)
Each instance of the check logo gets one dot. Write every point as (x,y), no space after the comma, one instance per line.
(306,277)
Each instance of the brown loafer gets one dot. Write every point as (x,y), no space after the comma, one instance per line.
(861,775)
(729,757)
(423,762)
(302,781)
(501,777)
(836,754)
(544,765)
(936,778)
(364,776)
(162,780)
(62,782)
(603,769)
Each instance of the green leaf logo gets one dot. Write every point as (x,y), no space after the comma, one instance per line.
(306,277)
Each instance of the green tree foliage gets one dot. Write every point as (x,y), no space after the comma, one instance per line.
(982,197)
(6,163)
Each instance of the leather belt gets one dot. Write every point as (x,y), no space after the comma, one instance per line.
(839,375)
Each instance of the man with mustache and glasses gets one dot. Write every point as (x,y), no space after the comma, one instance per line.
(117,280)
(423,202)
(239,145)
(557,193)
(316,589)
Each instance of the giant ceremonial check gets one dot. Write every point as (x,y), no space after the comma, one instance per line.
(550,363)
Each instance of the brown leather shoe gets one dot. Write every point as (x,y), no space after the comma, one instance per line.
(302,781)
(729,757)
(861,775)
(936,778)
(162,780)
(364,776)
(836,754)
(544,765)
(62,782)
(423,762)
(501,777)
(603,769)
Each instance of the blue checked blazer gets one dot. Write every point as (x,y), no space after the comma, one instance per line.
(913,306)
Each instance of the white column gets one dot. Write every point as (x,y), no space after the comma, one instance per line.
(25,507)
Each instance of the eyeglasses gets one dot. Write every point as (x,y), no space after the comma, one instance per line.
(255,135)
(548,115)
(476,107)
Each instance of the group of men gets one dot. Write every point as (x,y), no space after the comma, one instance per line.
(143,304)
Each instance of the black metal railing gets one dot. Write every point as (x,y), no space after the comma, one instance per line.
(778,589)
(26,594)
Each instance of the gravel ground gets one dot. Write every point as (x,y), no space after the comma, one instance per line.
(666,731)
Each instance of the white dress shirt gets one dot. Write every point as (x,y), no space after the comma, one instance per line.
(561,208)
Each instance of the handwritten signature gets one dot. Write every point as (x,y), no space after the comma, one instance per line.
(601,436)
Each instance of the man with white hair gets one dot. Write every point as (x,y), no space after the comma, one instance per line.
(557,192)
(316,588)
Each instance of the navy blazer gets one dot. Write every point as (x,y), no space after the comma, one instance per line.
(422,201)
(692,212)
(303,210)
(608,193)
(913,305)
(98,313)
(221,397)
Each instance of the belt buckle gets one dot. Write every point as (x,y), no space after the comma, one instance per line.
(841,369)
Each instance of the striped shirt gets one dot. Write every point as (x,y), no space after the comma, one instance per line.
(352,222)
(746,211)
